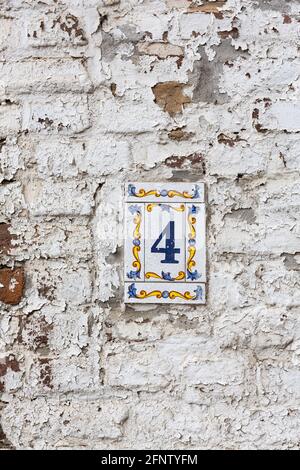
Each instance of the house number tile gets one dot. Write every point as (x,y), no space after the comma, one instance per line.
(165,252)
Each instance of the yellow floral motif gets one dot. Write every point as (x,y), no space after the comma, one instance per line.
(192,250)
(185,194)
(180,276)
(143,294)
(180,208)
(165,294)
(137,235)
(192,221)
(172,295)
(143,193)
(191,262)
(187,296)
(135,252)
(171,193)
(137,221)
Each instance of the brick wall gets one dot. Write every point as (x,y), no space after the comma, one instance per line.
(97,92)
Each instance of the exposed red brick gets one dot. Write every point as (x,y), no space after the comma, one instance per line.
(165,35)
(169,96)
(260,128)
(45,372)
(179,134)
(7,363)
(179,61)
(233,33)
(228,140)
(267,101)
(34,332)
(219,15)
(287,19)
(255,115)
(113,89)
(12,283)
(195,160)
(46,290)
(5,239)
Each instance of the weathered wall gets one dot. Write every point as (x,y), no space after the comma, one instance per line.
(94,93)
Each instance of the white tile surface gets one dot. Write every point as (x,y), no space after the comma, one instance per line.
(158,217)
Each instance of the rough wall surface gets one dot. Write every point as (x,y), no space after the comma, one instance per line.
(97,92)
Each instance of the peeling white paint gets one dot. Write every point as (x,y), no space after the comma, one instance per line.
(78,118)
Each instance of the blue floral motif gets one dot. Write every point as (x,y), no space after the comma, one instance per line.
(132,291)
(193,276)
(192,242)
(134,275)
(195,191)
(167,276)
(134,209)
(164,192)
(199,293)
(165,207)
(131,190)
(165,294)
(193,209)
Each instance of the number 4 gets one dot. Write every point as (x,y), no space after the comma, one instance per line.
(169,249)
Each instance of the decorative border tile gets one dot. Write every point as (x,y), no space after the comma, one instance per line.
(167,192)
(195,243)
(179,293)
(134,243)
(165,276)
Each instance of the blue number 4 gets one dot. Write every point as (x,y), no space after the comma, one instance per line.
(169,249)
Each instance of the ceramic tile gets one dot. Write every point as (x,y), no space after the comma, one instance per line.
(134,242)
(165,192)
(168,222)
(165,252)
(165,292)
(195,243)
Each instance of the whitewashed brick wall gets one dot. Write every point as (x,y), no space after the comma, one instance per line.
(94,93)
